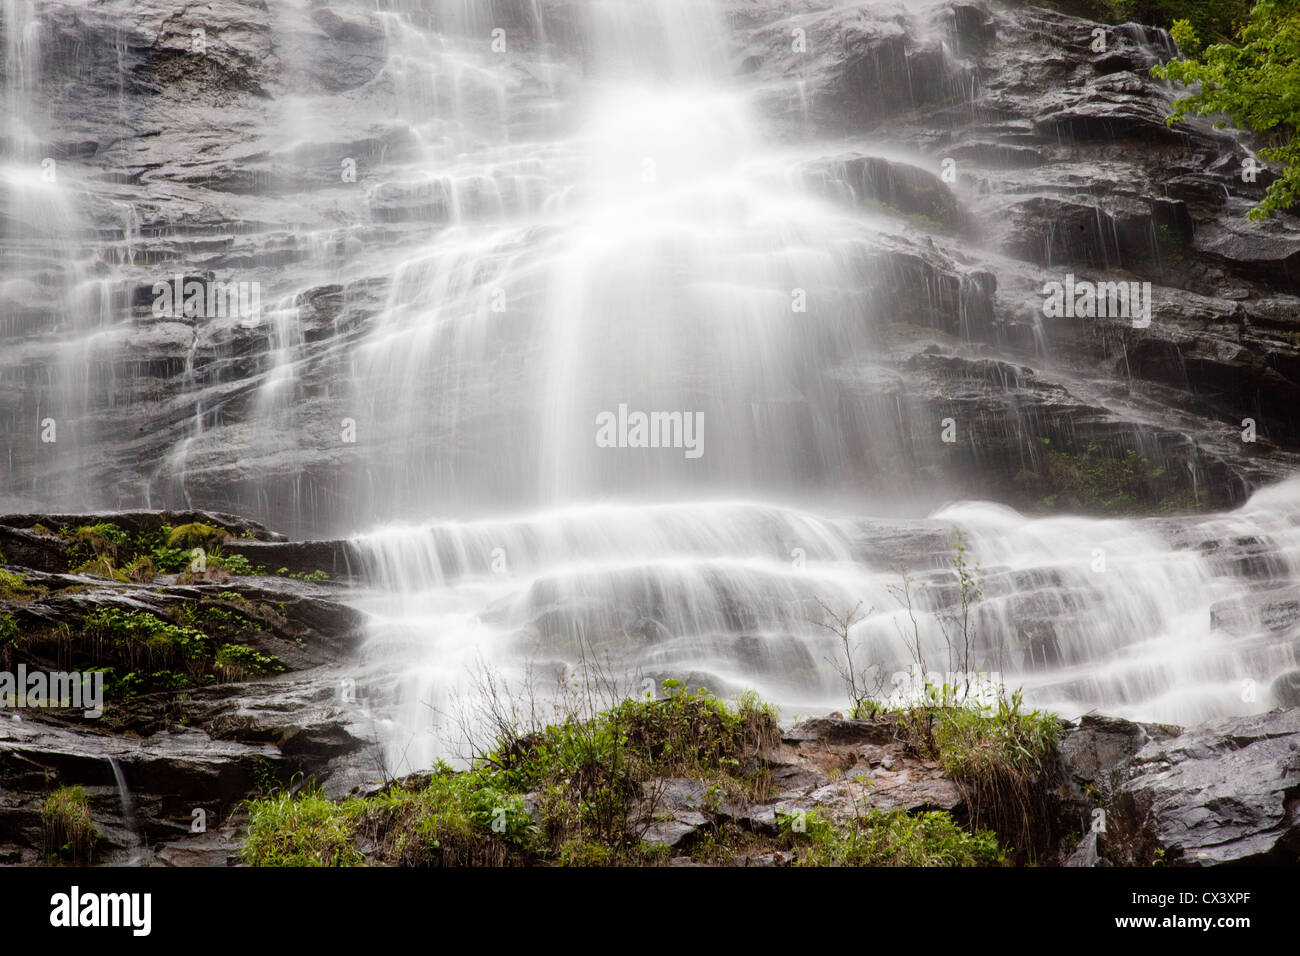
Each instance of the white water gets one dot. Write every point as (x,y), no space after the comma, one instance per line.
(625,231)
(127,802)
(640,244)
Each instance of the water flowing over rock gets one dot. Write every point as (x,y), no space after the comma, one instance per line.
(433,242)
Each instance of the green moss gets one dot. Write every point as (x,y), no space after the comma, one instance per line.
(69,832)
(196,535)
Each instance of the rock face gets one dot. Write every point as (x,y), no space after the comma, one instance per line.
(166,771)
(1005,151)
(1224,792)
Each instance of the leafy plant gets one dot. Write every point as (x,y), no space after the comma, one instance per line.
(1253,79)
(68,831)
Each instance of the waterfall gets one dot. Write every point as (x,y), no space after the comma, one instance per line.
(127,803)
(594,355)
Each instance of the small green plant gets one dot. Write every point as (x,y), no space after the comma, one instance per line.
(235,564)
(170,560)
(68,831)
(9,632)
(140,569)
(240,660)
(101,566)
(314,576)
(13,586)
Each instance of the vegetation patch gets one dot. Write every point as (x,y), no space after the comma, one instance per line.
(889,838)
(999,755)
(582,793)
(69,832)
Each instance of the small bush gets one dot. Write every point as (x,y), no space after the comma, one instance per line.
(235,564)
(69,833)
(302,830)
(170,560)
(891,838)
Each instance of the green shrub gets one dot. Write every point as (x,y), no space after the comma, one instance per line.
(140,569)
(1251,78)
(146,638)
(170,560)
(302,830)
(69,832)
(890,838)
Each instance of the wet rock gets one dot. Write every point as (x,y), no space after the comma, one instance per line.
(1222,792)
(829,730)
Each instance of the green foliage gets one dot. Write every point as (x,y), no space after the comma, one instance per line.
(1255,80)
(243,660)
(302,830)
(13,586)
(314,576)
(9,632)
(890,838)
(103,538)
(588,775)
(69,832)
(587,853)
(170,560)
(235,564)
(140,569)
(1090,479)
(144,630)
(101,566)
(998,754)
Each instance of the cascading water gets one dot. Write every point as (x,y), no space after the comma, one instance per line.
(127,803)
(651,247)
(565,237)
